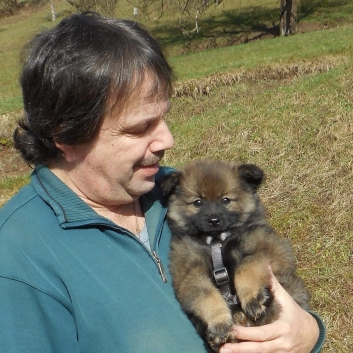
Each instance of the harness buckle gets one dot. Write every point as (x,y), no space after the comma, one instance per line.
(221,276)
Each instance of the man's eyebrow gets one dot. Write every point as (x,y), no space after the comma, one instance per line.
(153,117)
(145,121)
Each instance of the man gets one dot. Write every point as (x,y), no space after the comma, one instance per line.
(84,247)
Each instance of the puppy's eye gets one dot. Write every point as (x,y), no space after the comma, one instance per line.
(197,203)
(225,200)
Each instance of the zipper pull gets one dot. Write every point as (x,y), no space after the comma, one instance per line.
(160,266)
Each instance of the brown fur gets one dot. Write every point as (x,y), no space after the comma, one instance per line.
(207,198)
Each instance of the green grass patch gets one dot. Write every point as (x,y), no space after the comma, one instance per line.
(304,46)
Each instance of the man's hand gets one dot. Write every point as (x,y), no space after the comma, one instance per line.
(295,331)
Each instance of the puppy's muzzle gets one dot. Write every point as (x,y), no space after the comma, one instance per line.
(214,220)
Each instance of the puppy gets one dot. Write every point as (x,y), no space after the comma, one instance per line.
(217,202)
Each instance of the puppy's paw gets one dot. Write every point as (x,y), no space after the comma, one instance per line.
(256,307)
(220,333)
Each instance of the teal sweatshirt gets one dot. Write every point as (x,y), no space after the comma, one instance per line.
(72,281)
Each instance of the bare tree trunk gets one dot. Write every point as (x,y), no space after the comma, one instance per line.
(196,21)
(288,18)
(52,10)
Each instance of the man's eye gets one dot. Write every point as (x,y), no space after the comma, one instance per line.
(138,131)
(225,200)
(197,203)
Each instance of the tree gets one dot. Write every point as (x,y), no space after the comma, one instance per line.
(182,8)
(52,10)
(106,7)
(191,8)
(288,17)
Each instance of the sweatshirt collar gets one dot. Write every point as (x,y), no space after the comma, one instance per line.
(71,211)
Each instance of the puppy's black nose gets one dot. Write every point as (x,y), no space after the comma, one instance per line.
(214,221)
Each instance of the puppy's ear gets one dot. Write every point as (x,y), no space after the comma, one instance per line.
(251,174)
(169,182)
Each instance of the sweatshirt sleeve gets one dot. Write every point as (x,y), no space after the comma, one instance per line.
(33,321)
(322,335)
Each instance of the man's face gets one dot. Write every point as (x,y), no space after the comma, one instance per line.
(121,162)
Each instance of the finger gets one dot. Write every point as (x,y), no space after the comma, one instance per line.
(249,347)
(260,333)
(273,278)
(281,295)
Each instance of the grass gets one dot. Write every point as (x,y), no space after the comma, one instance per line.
(10,185)
(305,150)
(300,131)
(285,104)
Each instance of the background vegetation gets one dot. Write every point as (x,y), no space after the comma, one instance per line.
(284,103)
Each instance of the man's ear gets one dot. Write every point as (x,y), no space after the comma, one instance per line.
(68,151)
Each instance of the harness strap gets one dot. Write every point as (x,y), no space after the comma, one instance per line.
(220,273)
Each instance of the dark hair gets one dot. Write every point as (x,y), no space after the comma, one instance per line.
(71,71)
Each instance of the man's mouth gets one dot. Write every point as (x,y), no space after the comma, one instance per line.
(150,170)
(150,165)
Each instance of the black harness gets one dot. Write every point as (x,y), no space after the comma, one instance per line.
(220,273)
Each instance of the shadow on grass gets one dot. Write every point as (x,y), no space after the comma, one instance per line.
(309,7)
(232,26)
(240,25)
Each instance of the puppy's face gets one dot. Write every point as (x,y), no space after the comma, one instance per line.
(212,196)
